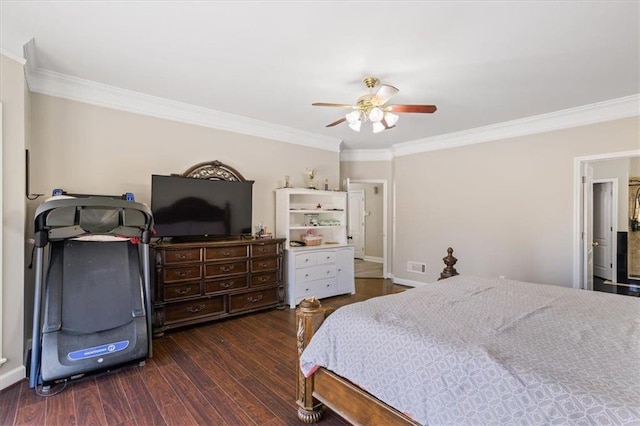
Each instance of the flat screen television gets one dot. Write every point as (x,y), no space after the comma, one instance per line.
(191,208)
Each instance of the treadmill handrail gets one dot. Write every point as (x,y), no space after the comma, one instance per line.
(71,231)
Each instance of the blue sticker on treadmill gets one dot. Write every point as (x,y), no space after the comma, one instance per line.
(105,349)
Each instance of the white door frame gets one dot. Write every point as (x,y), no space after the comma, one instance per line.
(385,213)
(614,225)
(578,209)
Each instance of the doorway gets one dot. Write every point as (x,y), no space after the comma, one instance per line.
(584,182)
(372,225)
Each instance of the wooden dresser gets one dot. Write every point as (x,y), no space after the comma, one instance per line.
(204,281)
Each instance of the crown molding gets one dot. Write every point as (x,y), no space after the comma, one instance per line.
(76,89)
(614,109)
(366,155)
(9,54)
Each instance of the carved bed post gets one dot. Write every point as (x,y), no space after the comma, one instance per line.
(449,270)
(309,316)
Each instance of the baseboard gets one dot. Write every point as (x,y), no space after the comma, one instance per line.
(12,376)
(373,259)
(410,283)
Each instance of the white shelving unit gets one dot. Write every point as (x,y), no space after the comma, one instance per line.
(315,270)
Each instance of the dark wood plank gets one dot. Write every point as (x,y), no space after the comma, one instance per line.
(114,401)
(32,414)
(143,407)
(61,409)
(88,406)
(9,399)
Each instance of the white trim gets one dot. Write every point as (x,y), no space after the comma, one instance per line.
(578,164)
(2,358)
(366,155)
(628,106)
(373,259)
(63,86)
(12,376)
(76,89)
(13,56)
(410,283)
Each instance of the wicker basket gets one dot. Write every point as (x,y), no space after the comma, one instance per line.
(311,240)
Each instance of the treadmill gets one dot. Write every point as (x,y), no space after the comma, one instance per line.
(92,303)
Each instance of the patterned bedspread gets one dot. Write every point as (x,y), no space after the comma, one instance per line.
(471,350)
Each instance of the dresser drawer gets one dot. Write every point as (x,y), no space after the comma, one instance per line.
(254,299)
(214,286)
(182,311)
(269,278)
(304,260)
(181,274)
(264,264)
(319,288)
(233,252)
(217,269)
(326,257)
(181,256)
(181,290)
(315,273)
(264,249)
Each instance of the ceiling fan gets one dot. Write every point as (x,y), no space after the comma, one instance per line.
(373,107)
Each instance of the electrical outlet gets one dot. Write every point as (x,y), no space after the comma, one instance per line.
(420,268)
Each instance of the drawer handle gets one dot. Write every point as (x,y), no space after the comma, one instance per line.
(328,257)
(306,275)
(264,264)
(306,260)
(183,291)
(183,274)
(226,253)
(226,285)
(328,272)
(254,299)
(198,308)
(263,249)
(263,279)
(183,256)
(227,268)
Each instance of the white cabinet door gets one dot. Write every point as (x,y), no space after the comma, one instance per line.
(355,221)
(345,270)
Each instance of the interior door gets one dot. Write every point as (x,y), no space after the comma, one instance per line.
(602,230)
(587,228)
(355,221)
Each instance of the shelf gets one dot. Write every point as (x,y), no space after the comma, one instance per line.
(316,211)
(298,227)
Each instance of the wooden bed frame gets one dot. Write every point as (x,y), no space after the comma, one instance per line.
(325,388)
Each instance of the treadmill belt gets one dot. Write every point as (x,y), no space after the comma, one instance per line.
(97,280)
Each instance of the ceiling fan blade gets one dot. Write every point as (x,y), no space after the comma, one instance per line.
(413,108)
(335,123)
(384,93)
(332,105)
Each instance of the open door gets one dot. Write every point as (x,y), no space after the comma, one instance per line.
(603,235)
(355,221)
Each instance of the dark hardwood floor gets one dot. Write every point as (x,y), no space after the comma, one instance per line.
(240,371)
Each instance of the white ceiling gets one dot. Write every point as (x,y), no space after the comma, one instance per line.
(480,62)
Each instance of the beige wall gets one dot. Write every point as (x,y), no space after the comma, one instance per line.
(14,98)
(88,149)
(506,207)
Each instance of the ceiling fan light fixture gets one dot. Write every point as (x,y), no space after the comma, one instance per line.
(356,125)
(376,115)
(391,118)
(378,127)
(353,117)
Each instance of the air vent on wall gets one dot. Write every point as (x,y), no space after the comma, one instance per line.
(420,268)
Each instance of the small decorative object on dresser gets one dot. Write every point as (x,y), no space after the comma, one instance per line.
(324,266)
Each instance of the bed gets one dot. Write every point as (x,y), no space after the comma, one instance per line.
(470,350)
